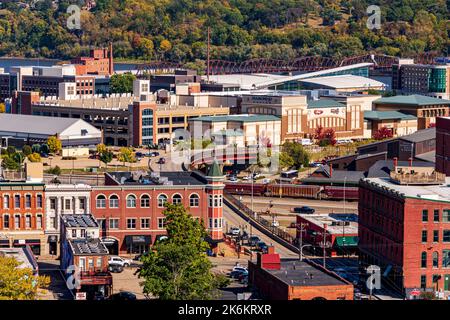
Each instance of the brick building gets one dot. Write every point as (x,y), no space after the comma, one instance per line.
(100,62)
(443,145)
(289,279)
(129,207)
(404,229)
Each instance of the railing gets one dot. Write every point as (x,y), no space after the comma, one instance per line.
(418,178)
(260,220)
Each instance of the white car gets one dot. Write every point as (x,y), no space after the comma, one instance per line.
(240,268)
(120,261)
(235,231)
(266,180)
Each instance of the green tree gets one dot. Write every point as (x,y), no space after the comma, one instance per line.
(44,148)
(298,154)
(122,83)
(9,163)
(36,148)
(18,283)
(56,170)
(178,268)
(26,149)
(285,160)
(106,157)
(10,150)
(54,144)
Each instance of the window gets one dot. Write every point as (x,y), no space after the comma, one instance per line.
(145,201)
(5,201)
(6,221)
(102,224)
(82,264)
(131,223)
(161,223)
(145,223)
(17,201)
(194,200)
(424,215)
(53,223)
(423,281)
(100,202)
(162,199)
(435,235)
(436,215)
(113,201)
(446,215)
(445,258)
(114,223)
(39,201)
(28,201)
(435,259)
(176,199)
(91,263)
(423,260)
(53,204)
(67,204)
(99,263)
(28,221)
(424,236)
(446,236)
(83,233)
(82,204)
(38,222)
(131,201)
(17,221)
(74,233)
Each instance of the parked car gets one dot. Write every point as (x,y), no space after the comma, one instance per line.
(118,260)
(233,178)
(253,240)
(161,161)
(235,231)
(304,209)
(262,246)
(115,268)
(246,178)
(239,268)
(152,154)
(139,154)
(124,296)
(266,181)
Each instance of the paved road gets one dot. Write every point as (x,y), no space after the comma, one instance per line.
(57,289)
(232,219)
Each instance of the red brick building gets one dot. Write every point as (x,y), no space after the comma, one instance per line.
(289,279)
(404,228)
(99,62)
(443,145)
(130,206)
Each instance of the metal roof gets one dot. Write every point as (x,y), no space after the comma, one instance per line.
(421,135)
(238,118)
(414,99)
(344,81)
(324,103)
(88,247)
(79,221)
(387,115)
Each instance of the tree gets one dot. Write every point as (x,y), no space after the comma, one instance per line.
(286,161)
(10,150)
(101,148)
(326,137)
(56,170)
(9,163)
(126,155)
(295,150)
(36,148)
(106,157)
(54,144)
(122,83)
(178,268)
(44,148)
(383,133)
(19,283)
(34,157)
(26,149)
(2,108)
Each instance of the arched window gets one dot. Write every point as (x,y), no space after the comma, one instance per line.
(145,201)
(435,259)
(113,201)
(423,261)
(162,199)
(6,201)
(131,201)
(194,200)
(100,201)
(176,198)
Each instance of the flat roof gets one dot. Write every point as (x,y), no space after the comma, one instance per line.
(421,135)
(302,274)
(238,118)
(244,81)
(439,193)
(141,178)
(388,115)
(324,103)
(88,247)
(331,222)
(344,81)
(79,221)
(22,255)
(383,168)
(414,99)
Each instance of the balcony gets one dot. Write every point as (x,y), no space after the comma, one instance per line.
(95,277)
(418,178)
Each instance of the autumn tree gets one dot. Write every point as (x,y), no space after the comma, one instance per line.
(18,283)
(2,108)
(34,157)
(325,137)
(126,155)
(383,133)
(178,267)
(54,144)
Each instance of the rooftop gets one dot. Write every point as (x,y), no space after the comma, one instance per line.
(88,247)
(345,81)
(439,193)
(388,115)
(337,176)
(302,273)
(79,221)
(421,135)
(339,224)
(238,118)
(415,99)
(139,178)
(383,168)
(324,103)
(23,255)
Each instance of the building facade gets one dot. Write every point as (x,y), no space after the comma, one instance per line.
(443,145)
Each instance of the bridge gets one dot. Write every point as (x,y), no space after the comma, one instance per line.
(301,64)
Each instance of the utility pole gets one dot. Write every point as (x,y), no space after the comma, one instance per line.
(208,53)
(300,243)
(343,223)
(324,244)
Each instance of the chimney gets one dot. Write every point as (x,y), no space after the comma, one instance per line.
(331,170)
(410,162)
(111,60)
(271,250)
(395,162)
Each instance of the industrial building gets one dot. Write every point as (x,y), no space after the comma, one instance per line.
(443,145)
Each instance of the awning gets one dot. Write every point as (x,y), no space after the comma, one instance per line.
(130,240)
(347,241)
(109,241)
(31,242)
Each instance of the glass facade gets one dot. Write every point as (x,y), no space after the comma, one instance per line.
(147,126)
(436,81)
